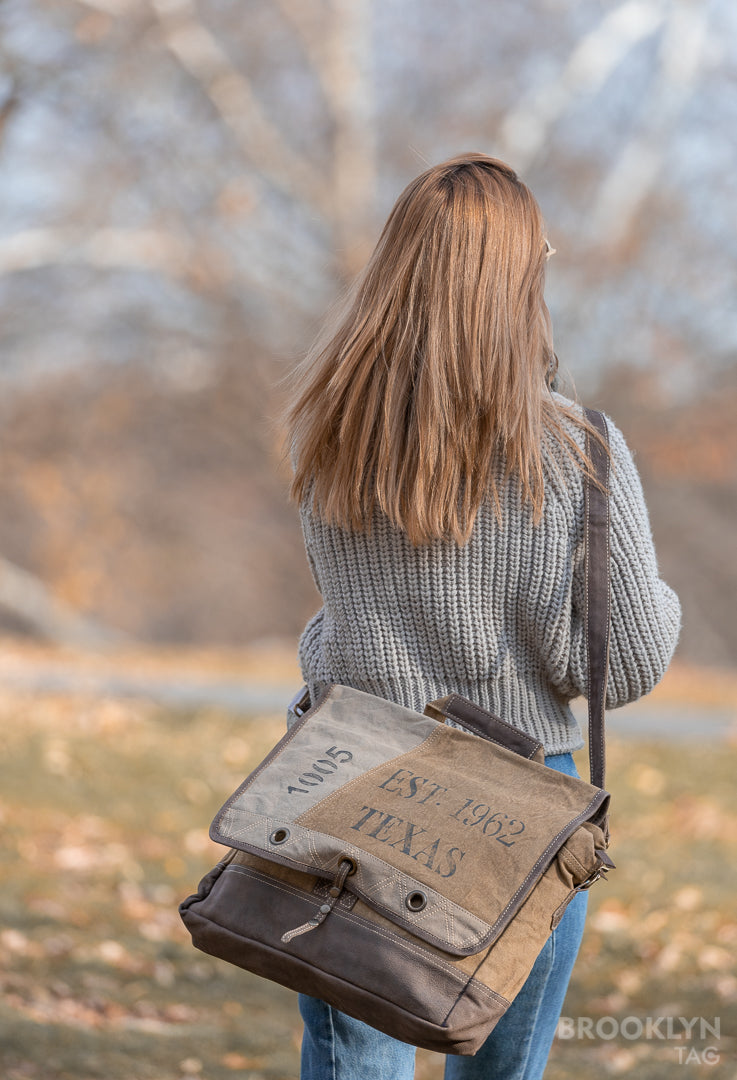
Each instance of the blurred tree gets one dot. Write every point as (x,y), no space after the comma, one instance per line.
(185,185)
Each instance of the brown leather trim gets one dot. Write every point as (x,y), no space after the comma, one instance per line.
(327,962)
(207,882)
(485,724)
(597,592)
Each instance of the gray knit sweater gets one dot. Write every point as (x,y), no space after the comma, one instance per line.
(499,620)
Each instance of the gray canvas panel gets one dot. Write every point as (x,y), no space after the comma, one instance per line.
(442,923)
(345,735)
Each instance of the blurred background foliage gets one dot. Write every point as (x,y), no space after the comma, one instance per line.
(186,186)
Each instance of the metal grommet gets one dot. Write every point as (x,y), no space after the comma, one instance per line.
(416,900)
(348,859)
(279,836)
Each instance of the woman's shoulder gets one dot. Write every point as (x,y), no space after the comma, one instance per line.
(563,455)
(571,416)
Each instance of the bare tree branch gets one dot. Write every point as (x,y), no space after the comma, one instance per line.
(231,93)
(336,40)
(633,176)
(337,43)
(140,249)
(525,128)
(8,107)
(347,74)
(308,23)
(154,250)
(111,7)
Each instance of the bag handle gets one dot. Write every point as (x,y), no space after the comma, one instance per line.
(596,615)
(485,724)
(597,603)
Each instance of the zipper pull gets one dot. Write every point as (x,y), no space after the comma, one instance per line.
(346,867)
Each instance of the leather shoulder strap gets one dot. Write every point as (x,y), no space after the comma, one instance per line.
(596,536)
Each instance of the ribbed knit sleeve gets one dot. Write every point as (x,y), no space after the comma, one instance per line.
(645,612)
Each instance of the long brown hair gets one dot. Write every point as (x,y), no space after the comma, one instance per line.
(437,363)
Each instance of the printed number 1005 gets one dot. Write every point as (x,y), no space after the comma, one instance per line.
(324,766)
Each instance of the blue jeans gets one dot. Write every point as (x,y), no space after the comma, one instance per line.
(337,1047)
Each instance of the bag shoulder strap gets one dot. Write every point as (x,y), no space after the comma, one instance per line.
(596,540)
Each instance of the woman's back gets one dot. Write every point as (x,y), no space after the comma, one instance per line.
(499,619)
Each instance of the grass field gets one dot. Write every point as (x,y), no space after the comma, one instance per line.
(104,808)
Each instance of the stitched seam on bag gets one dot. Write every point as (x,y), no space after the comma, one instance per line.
(322,889)
(293,859)
(488,738)
(442,907)
(346,901)
(533,872)
(265,853)
(393,914)
(294,890)
(477,985)
(410,946)
(319,862)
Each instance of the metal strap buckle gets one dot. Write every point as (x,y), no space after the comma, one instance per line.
(590,880)
(300,703)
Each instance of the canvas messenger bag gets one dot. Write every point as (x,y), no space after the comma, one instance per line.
(403,870)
